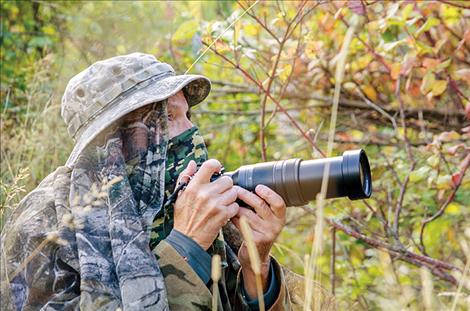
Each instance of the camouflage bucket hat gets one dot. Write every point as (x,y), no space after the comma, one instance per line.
(109,89)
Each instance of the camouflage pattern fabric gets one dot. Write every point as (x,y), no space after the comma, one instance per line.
(183,148)
(95,211)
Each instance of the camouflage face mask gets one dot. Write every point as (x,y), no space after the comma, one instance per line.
(183,148)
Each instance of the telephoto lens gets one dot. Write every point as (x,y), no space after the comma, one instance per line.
(299,181)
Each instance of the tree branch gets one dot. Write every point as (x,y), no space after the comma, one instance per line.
(437,267)
(275,101)
(465,164)
(458,5)
(351,103)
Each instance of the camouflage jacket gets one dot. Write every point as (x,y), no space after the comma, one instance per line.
(33,253)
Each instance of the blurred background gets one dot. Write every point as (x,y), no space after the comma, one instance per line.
(404,99)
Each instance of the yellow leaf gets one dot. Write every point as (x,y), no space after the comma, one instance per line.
(450,14)
(14,12)
(195,8)
(433,161)
(285,72)
(453,208)
(439,87)
(449,136)
(251,30)
(356,134)
(430,22)
(444,182)
(407,10)
(395,70)
(279,21)
(312,48)
(370,92)
(236,34)
(427,83)
(361,62)
(49,30)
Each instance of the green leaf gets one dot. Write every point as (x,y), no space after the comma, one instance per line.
(430,22)
(186,31)
(433,161)
(419,174)
(407,10)
(443,65)
(40,42)
(393,21)
(423,48)
(388,35)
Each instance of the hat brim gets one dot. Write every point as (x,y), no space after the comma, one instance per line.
(197,89)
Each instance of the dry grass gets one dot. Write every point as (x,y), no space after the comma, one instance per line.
(312,271)
(254,259)
(33,142)
(215,275)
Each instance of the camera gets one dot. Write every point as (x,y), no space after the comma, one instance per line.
(299,181)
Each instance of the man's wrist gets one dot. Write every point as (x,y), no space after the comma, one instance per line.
(249,277)
(204,245)
(264,269)
(270,294)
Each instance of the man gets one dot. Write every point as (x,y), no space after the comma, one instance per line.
(102,232)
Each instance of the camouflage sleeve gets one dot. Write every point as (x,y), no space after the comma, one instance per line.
(322,300)
(185,289)
(282,301)
(34,274)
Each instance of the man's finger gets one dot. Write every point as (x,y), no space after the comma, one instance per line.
(205,172)
(257,203)
(275,201)
(232,210)
(188,172)
(256,223)
(228,197)
(222,184)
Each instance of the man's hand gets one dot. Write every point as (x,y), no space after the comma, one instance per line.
(204,207)
(266,223)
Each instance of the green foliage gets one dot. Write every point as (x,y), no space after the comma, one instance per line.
(404,98)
